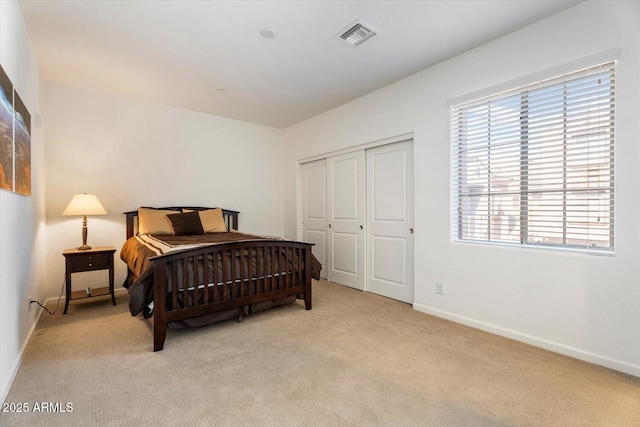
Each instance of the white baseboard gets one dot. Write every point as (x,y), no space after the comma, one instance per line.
(576,353)
(18,362)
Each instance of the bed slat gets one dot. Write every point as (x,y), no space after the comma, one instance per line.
(174,285)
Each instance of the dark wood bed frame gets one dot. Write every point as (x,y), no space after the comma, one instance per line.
(285,271)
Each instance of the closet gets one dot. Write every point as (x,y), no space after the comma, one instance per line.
(357,208)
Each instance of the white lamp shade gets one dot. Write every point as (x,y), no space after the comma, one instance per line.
(84,204)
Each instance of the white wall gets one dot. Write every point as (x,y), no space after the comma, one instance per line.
(582,305)
(21,218)
(132,153)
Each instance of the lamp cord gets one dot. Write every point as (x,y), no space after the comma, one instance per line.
(57,305)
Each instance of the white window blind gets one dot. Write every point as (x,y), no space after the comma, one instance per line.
(535,165)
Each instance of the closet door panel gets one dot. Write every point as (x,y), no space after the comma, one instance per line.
(346,216)
(314,209)
(390,221)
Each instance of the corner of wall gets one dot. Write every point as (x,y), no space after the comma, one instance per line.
(22,217)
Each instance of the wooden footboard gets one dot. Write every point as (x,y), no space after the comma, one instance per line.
(234,275)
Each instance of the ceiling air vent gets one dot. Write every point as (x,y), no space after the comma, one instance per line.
(357,33)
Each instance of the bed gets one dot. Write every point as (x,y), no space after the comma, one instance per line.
(186,279)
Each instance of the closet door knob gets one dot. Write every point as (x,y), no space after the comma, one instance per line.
(329,225)
(361,228)
(411,230)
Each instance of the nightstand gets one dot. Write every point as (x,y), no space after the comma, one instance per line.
(96,258)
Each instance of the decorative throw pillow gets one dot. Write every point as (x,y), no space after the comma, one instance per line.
(212,220)
(186,224)
(154,221)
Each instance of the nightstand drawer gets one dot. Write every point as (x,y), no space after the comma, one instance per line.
(90,262)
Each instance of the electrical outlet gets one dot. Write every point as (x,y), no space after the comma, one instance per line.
(439,288)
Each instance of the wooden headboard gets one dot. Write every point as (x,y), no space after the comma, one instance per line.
(230,217)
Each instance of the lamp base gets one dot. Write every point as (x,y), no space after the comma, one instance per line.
(85,230)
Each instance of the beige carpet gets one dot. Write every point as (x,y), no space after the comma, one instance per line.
(355,359)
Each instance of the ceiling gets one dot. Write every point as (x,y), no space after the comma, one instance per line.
(187,53)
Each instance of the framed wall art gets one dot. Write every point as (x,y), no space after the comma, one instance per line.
(15,140)
(22,147)
(6,132)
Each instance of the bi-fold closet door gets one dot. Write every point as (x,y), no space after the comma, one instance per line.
(358,210)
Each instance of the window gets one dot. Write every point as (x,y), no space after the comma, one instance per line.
(535,166)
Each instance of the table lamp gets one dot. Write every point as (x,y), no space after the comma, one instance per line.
(84,204)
